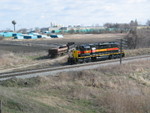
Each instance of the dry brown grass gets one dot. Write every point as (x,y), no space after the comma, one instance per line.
(115,88)
(1,38)
(95,36)
(136,52)
(132,101)
(20,61)
(109,89)
(9,59)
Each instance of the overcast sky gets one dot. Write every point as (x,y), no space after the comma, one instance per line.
(40,13)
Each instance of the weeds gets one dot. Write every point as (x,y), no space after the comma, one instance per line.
(109,89)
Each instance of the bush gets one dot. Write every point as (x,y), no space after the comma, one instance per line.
(138,38)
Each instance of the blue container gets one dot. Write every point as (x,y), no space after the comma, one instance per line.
(53,36)
(8,34)
(1,34)
(39,36)
(27,36)
(60,36)
(18,37)
(45,36)
(14,34)
(33,37)
(56,36)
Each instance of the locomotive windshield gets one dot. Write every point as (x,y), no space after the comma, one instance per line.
(85,50)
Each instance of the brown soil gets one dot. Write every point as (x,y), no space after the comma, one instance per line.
(28,52)
(36,45)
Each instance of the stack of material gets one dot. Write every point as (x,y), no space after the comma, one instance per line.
(56,36)
(28,36)
(9,34)
(39,35)
(45,36)
(25,36)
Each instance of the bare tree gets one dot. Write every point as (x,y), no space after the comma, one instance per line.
(132,39)
(138,38)
(14,23)
(108,25)
(133,24)
(148,23)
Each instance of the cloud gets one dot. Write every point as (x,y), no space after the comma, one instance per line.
(136,1)
(37,13)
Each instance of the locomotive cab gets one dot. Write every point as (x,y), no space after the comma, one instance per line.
(81,54)
(84,50)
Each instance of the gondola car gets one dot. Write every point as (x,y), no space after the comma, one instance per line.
(58,51)
(61,50)
(95,52)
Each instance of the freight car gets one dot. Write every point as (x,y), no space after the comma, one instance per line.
(61,50)
(94,52)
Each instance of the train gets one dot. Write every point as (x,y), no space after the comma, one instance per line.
(87,52)
(95,52)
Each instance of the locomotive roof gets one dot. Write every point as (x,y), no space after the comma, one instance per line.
(107,43)
(100,43)
(103,43)
(85,46)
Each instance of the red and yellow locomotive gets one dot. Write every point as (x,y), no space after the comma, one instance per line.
(95,52)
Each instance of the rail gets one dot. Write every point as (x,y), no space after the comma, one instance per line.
(7,75)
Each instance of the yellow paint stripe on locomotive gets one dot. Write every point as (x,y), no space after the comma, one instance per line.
(100,50)
(108,49)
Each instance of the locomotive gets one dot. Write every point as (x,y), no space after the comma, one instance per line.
(95,52)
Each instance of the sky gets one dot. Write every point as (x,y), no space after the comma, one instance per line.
(40,13)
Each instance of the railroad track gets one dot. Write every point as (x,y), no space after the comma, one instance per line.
(52,71)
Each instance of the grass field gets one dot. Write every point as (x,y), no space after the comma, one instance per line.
(11,60)
(111,89)
(24,53)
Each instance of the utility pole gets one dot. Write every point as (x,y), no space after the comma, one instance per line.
(0,106)
(121,51)
(122,44)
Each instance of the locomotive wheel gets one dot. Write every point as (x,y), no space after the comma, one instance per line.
(110,57)
(113,57)
(93,59)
